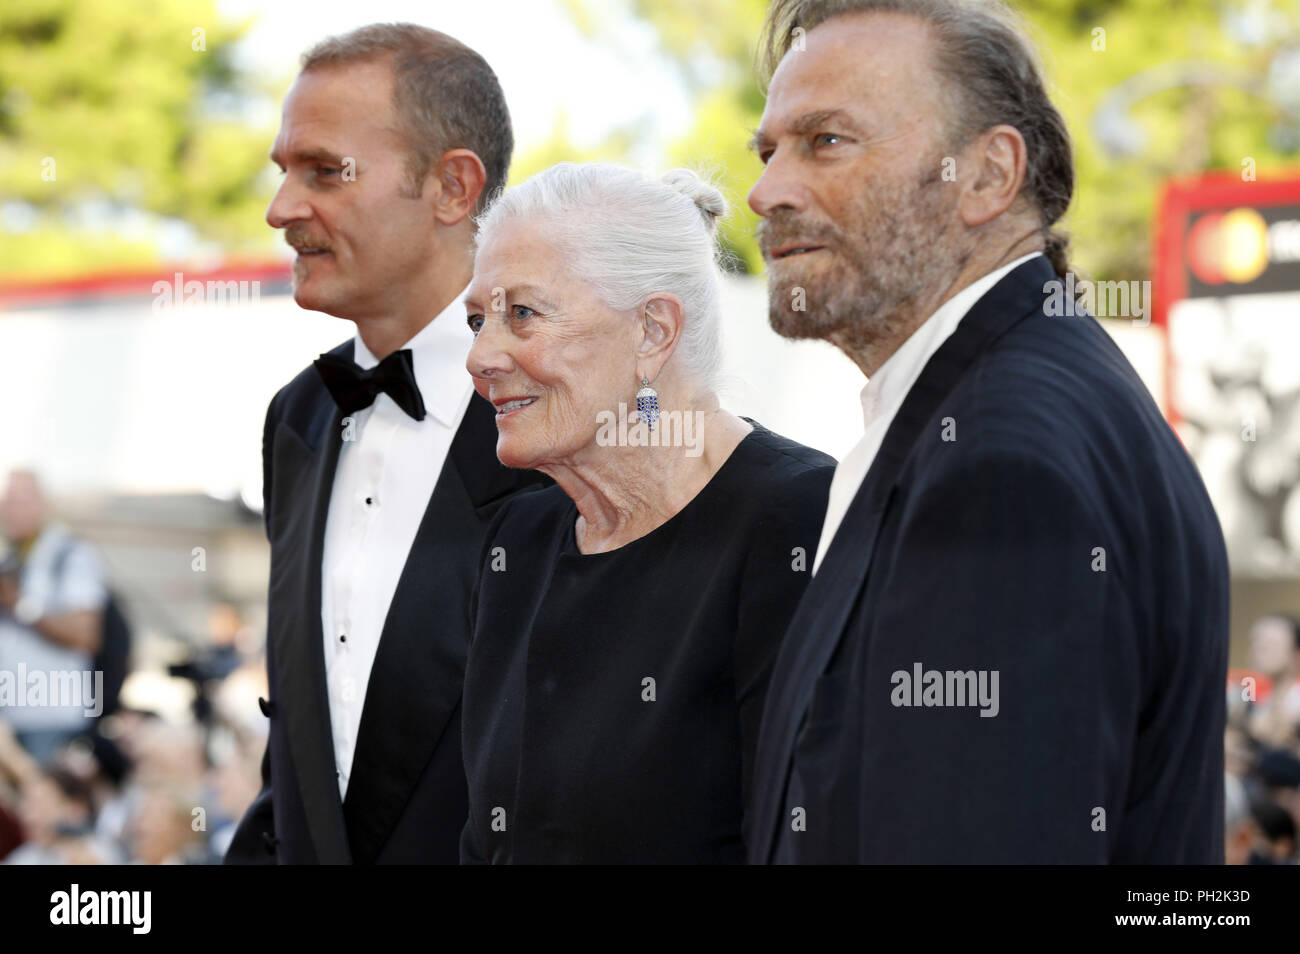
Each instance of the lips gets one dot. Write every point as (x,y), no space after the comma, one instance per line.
(305,244)
(507,406)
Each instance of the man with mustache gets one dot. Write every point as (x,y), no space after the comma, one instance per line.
(1014,645)
(380,471)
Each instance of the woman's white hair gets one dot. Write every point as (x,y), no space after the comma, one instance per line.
(631,235)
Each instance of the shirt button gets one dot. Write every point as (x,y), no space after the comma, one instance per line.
(343,637)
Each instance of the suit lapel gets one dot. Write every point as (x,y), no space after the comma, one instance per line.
(819,622)
(474,454)
(304,477)
(416,681)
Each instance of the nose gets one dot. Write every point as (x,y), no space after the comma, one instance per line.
(777,187)
(288,205)
(490,356)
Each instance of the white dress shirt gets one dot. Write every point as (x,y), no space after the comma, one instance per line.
(884,393)
(384,479)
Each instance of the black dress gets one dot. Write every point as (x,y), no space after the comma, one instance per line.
(612,700)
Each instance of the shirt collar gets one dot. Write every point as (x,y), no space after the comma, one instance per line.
(893,379)
(438,352)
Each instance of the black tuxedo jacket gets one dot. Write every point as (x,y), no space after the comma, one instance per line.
(1030,517)
(406,800)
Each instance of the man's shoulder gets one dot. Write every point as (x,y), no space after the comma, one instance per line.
(1054,402)
(298,400)
(1058,387)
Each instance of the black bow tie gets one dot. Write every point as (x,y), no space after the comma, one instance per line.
(354,388)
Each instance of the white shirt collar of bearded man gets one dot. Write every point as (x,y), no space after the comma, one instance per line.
(886,389)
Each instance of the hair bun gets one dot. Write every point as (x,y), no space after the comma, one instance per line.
(707,198)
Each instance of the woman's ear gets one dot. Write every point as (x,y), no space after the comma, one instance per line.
(660,322)
(461,178)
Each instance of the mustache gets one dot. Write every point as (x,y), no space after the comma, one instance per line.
(784,227)
(299,237)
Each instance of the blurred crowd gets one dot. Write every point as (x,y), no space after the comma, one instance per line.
(139,791)
(1262,748)
(103,781)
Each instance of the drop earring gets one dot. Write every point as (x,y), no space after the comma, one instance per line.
(647,404)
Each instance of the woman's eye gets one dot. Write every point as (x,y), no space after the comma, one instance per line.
(325,171)
(522,312)
(475,323)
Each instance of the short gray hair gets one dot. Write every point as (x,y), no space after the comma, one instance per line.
(982,52)
(630,235)
(445,95)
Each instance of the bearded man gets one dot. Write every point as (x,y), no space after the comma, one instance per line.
(1014,646)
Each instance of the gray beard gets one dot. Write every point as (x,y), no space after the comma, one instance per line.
(868,298)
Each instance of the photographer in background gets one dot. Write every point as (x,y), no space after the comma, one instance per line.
(52,601)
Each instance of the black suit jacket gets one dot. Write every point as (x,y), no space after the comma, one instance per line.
(1029,515)
(406,800)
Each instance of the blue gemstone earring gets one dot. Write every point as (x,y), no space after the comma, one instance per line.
(647,404)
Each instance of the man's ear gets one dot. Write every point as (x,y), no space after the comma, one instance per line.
(996,162)
(460,176)
(660,322)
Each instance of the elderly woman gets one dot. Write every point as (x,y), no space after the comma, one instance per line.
(627,618)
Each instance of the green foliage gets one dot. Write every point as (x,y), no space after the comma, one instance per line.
(712,43)
(134,118)
(106,107)
(1187,128)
